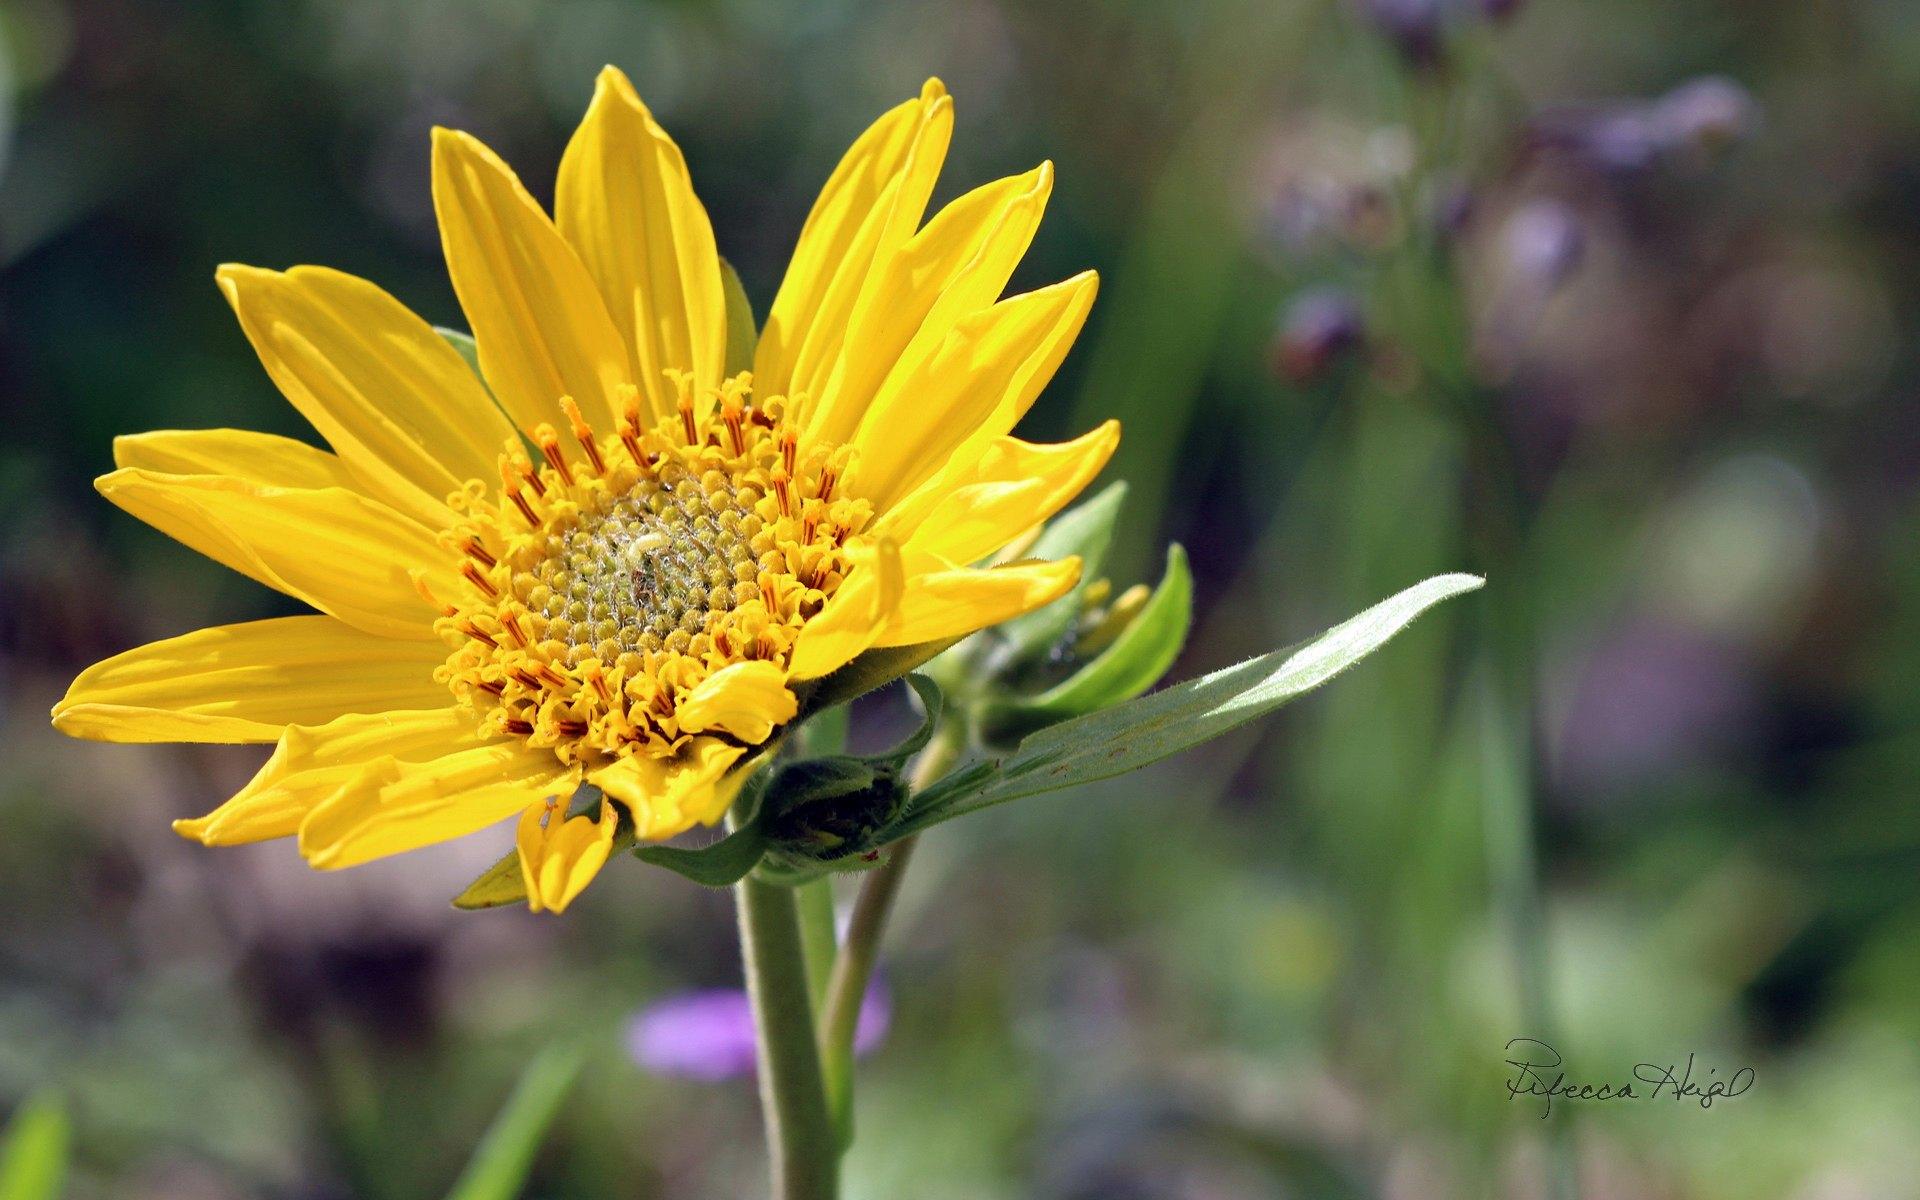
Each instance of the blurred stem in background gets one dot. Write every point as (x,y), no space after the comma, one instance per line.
(1420,302)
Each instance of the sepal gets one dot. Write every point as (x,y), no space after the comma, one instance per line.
(1114,653)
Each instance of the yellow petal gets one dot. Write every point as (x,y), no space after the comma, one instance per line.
(745,699)
(669,796)
(871,203)
(956,266)
(247,683)
(335,549)
(389,806)
(985,376)
(399,405)
(958,600)
(1006,492)
(626,204)
(542,330)
(242,453)
(311,763)
(855,615)
(560,855)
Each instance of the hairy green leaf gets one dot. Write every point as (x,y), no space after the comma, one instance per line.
(722,864)
(1128,736)
(872,670)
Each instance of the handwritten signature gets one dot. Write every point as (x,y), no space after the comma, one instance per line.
(1536,1072)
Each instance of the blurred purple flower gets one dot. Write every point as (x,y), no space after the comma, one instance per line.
(1629,138)
(1705,114)
(708,1034)
(1544,242)
(1651,695)
(1415,27)
(1319,326)
(1499,10)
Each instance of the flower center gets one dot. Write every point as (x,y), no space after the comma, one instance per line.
(660,561)
(603,586)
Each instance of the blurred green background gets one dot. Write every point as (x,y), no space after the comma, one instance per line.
(1614,301)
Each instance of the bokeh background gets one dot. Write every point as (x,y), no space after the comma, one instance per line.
(1614,301)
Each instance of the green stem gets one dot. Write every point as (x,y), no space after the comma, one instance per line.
(801,1142)
(853,967)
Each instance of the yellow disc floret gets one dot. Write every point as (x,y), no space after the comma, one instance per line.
(608,579)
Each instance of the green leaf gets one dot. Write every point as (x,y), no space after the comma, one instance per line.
(927,692)
(33,1158)
(501,884)
(743,336)
(1086,530)
(1134,662)
(464,343)
(500,1164)
(722,864)
(874,669)
(1128,736)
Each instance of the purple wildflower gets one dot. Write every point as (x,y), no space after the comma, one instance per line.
(708,1034)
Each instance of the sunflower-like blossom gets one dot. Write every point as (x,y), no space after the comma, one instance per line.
(618,553)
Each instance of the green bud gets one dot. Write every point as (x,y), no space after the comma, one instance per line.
(1109,653)
(822,809)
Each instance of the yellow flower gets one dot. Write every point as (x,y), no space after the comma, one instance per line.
(612,560)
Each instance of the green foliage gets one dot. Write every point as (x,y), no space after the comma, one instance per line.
(500,1164)
(1133,662)
(1124,738)
(33,1157)
(869,672)
(851,807)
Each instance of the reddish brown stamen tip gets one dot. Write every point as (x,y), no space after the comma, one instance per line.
(474,577)
(510,621)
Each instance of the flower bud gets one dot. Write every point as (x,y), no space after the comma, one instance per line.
(1317,328)
(1705,115)
(1544,243)
(1417,28)
(821,809)
(1109,650)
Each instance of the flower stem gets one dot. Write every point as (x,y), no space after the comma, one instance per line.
(801,1140)
(853,966)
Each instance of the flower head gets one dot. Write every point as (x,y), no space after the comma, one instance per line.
(618,553)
